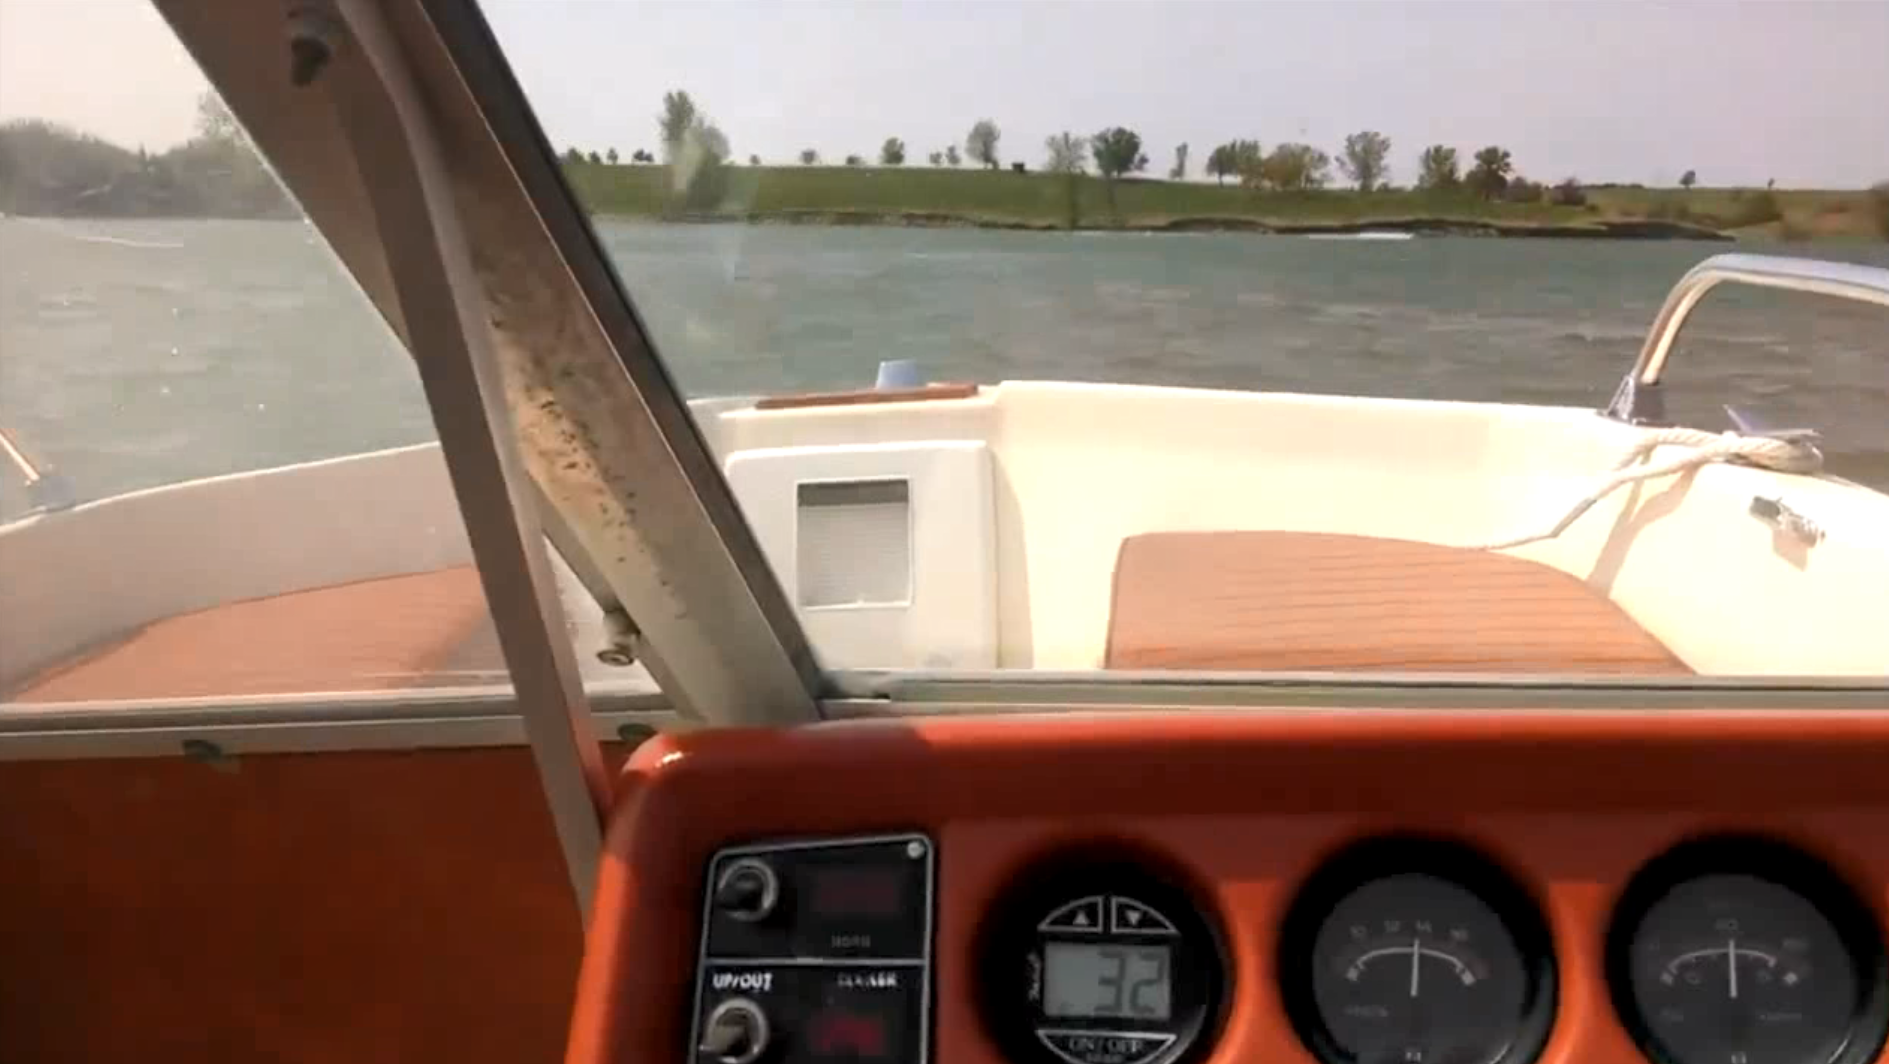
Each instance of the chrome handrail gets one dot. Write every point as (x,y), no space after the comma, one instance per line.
(1637,398)
(28,471)
(45,488)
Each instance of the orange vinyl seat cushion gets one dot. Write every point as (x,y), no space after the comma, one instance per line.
(1316,602)
(421,630)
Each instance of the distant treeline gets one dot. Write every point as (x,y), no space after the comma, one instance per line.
(691,140)
(699,156)
(46,169)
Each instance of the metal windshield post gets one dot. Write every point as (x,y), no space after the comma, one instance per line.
(414,206)
(401,131)
(599,423)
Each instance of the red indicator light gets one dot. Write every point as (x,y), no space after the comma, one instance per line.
(836,1033)
(857,892)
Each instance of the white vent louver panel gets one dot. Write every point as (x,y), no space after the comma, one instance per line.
(887,550)
(853,543)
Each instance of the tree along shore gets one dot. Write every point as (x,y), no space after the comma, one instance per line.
(50,171)
(1004,199)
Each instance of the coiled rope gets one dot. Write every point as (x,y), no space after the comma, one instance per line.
(1780,454)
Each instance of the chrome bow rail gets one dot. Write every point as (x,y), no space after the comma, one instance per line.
(1638,398)
(46,489)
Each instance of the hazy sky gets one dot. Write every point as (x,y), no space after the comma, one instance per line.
(1625,90)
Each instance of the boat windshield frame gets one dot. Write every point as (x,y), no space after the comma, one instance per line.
(605,454)
(618,472)
(402,132)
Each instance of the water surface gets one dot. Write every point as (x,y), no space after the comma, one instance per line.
(141,353)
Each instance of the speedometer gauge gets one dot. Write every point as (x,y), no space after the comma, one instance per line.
(1738,952)
(1416,951)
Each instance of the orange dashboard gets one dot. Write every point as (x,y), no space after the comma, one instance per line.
(1301,888)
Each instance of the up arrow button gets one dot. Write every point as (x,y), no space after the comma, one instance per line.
(1082,917)
(1130,917)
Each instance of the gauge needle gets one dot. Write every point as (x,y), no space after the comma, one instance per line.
(1731,964)
(1416,965)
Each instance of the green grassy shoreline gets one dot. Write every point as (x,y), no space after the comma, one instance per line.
(923,197)
(1439,225)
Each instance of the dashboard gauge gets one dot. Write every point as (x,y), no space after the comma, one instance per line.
(1405,952)
(1101,961)
(1742,952)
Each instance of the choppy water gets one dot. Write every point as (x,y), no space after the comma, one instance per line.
(141,353)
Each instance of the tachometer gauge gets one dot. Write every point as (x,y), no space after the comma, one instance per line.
(1416,952)
(1737,952)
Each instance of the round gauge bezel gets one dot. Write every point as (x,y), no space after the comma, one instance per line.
(1010,935)
(1448,860)
(1818,884)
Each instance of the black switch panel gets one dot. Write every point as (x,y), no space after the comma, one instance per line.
(835,900)
(815,952)
(818,1014)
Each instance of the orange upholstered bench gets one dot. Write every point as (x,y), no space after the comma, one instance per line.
(423,630)
(1315,602)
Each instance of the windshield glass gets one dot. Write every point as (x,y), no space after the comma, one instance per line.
(1069,371)
(1009,362)
(217,474)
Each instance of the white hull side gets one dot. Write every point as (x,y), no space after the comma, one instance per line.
(1074,468)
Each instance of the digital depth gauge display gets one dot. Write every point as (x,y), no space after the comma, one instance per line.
(1124,981)
(1101,961)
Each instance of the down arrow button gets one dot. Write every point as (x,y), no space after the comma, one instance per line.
(1130,917)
